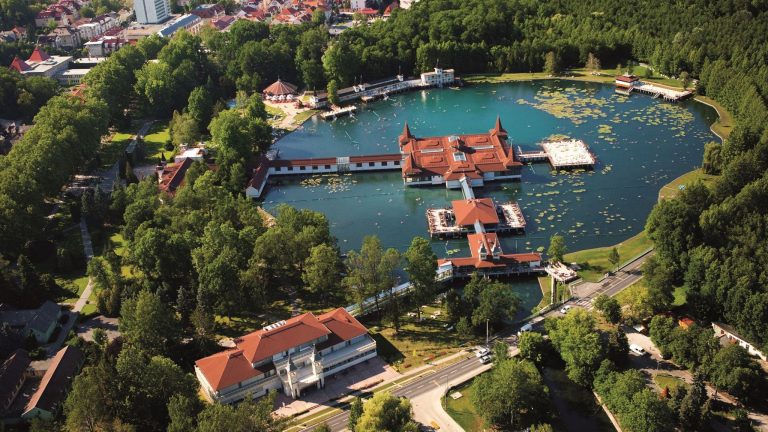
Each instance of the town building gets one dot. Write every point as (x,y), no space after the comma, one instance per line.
(462,217)
(41,64)
(104,45)
(222,23)
(13,373)
(151,11)
(357,4)
(488,259)
(171,176)
(729,335)
(289,355)
(96,27)
(627,81)
(438,78)
(188,22)
(280,91)
(208,12)
(446,160)
(39,322)
(47,400)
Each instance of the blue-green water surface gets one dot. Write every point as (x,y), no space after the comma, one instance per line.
(641,144)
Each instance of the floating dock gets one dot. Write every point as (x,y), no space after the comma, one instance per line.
(349,109)
(626,84)
(569,154)
(461,219)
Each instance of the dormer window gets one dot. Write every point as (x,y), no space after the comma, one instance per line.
(459,157)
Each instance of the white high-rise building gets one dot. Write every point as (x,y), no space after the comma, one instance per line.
(151,11)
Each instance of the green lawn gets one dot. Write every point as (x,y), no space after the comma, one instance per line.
(576,74)
(670,382)
(671,189)
(546,292)
(724,124)
(463,410)
(111,150)
(594,262)
(628,295)
(303,116)
(154,142)
(417,342)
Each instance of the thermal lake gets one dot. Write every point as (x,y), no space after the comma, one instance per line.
(641,143)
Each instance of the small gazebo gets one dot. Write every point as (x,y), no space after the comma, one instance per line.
(280,91)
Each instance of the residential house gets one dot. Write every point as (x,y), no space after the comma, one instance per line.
(728,334)
(188,22)
(13,373)
(55,385)
(39,322)
(291,355)
(208,12)
(223,23)
(66,37)
(104,45)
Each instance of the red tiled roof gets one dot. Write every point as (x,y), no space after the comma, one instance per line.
(229,367)
(55,383)
(19,65)
(173,175)
(627,78)
(469,211)
(489,241)
(38,55)
(280,87)
(298,330)
(456,156)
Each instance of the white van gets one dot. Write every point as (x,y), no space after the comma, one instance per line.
(637,349)
(526,328)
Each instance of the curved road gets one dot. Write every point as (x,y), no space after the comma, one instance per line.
(612,285)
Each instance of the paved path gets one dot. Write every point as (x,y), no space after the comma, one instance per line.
(88,247)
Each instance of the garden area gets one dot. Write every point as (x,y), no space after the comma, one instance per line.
(155,142)
(594,263)
(416,343)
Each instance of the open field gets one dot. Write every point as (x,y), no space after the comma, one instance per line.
(724,124)
(577,74)
(671,189)
(154,142)
(463,410)
(417,342)
(594,262)
(669,381)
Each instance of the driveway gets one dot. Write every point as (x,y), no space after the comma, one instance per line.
(109,325)
(652,365)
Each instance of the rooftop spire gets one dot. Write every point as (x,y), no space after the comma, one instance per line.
(406,135)
(498,129)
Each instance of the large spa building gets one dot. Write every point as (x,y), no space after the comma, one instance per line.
(289,356)
(448,159)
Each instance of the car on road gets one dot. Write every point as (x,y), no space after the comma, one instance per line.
(637,349)
(482,352)
(485,359)
(526,328)
(564,310)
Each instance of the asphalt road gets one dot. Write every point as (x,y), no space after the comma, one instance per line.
(414,388)
(610,286)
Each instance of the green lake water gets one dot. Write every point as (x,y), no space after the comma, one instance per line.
(641,144)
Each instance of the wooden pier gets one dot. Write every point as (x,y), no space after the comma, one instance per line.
(531,156)
(338,112)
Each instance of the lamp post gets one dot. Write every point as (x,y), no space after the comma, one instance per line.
(486,333)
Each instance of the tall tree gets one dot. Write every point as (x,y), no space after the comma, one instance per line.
(322,271)
(147,323)
(421,266)
(609,307)
(552,63)
(556,248)
(512,396)
(576,338)
(386,413)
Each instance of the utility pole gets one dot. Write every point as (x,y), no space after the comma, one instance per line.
(486,333)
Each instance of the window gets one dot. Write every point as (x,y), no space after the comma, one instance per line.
(370,164)
(359,165)
(303,168)
(327,167)
(384,164)
(459,157)
(290,168)
(314,167)
(397,162)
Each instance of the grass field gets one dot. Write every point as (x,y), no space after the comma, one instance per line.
(594,262)
(724,124)
(417,342)
(154,142)
(671,189)
(303,116)
(669,381)
(463,410)
(546,292)
(577,74)
(111,150)
(628,295)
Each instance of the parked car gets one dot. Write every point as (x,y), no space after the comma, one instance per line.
(564,310)
(637,349)
(485,359)
(526,328)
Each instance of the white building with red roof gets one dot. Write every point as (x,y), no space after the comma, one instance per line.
(289,355)
(448,159)
(488,259)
